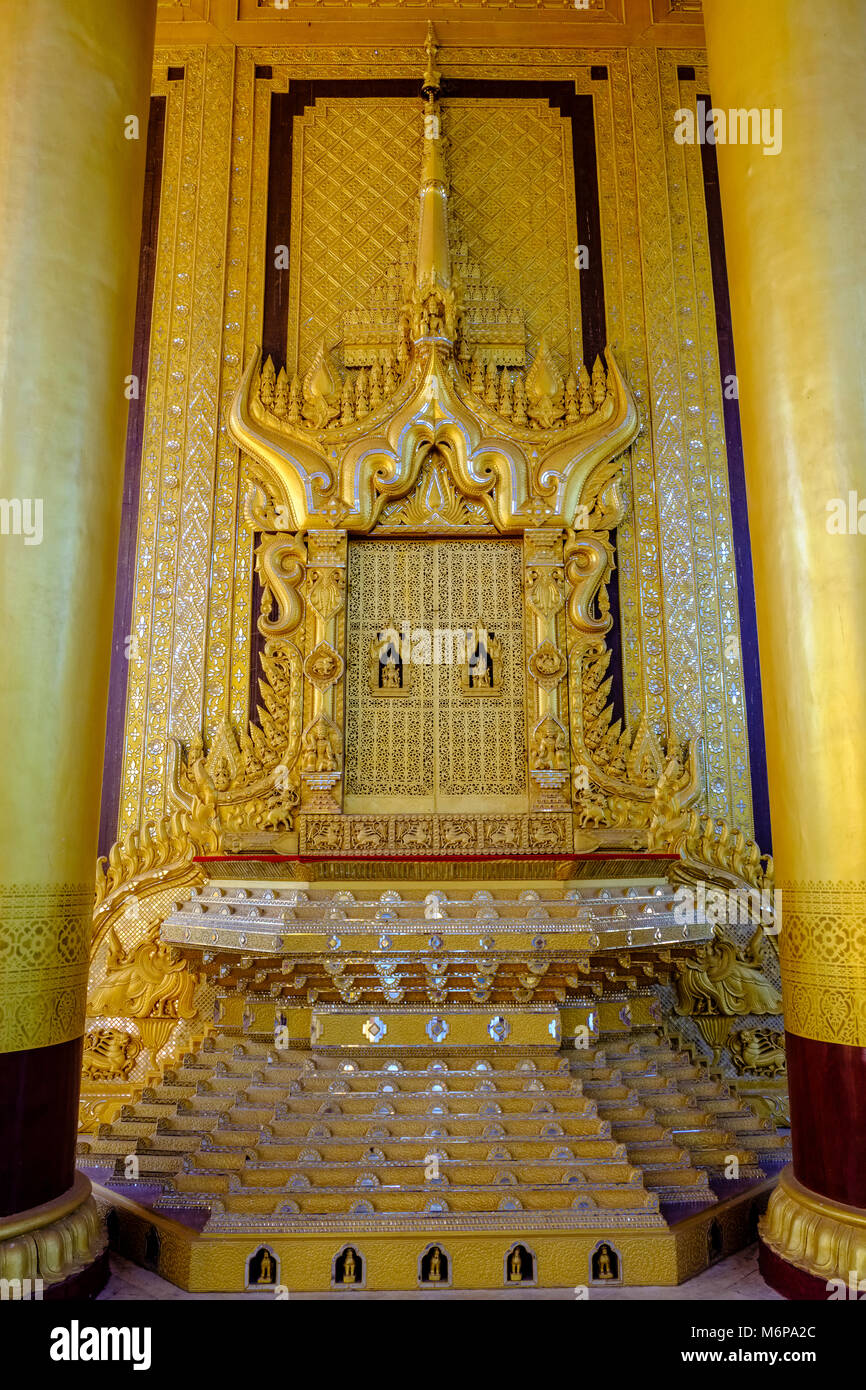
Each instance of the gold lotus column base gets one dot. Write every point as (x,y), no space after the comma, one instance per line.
(825,1239)
(48,1244)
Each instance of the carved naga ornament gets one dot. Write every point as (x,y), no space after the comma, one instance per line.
(524,448)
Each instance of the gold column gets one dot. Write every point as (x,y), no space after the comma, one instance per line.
(73,124)
(796,250)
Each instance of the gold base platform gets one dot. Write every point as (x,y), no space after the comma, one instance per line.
(408,1086)
(478,1258)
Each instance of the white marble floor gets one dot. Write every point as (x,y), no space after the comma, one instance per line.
(735,1279)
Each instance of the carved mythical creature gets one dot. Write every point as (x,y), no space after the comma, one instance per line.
(504,834)
(758,1050)
(325,835)
(726,979)
(456,834)
(151,980)
(545,834)
(109,1054)
(414,836)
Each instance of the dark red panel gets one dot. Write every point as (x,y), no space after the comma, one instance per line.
(38,1123)
(827,1086)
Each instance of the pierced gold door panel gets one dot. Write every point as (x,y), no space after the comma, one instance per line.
(433,736)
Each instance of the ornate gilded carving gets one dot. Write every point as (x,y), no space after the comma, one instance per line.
(323,666)
(721,981)
(547,665)
(759,1050)
(320,748)
(541,458)
(549,747)
(150,981)
(435,504)
(489,196)
(280,562)
(616,771)
(439,834)
(251,781)
(109,1054)
(390,662)
(481,672)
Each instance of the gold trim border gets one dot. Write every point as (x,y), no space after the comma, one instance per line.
(45,931)
(822,952)
(826,1239)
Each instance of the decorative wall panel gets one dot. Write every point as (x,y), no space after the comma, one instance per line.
(193,577)
(355,206)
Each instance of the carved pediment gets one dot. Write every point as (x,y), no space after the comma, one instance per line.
(346,474)
(436,366)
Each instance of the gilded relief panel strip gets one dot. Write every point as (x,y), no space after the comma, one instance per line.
(253,135)
(231,568)
(152,617)
(679,598)
(198,581)
(176,532)
(638,541)
(726,748)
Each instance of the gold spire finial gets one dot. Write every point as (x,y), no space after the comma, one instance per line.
(431,79)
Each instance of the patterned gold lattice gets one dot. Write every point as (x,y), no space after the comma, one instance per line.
(389,745)
(481,744)
(354,202)
(436,744)
(512,182)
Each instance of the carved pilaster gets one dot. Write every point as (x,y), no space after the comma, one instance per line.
(547,665)
(324,671)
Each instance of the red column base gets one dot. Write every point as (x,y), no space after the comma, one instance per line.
(788,1280)
(87,1283)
